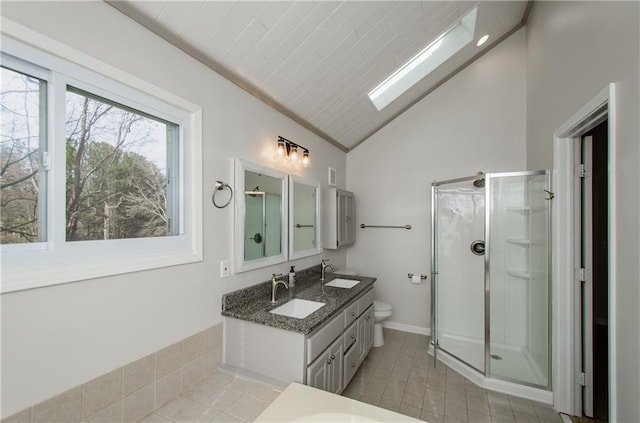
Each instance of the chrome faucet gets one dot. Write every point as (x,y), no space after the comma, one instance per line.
(274,286)
(323,270)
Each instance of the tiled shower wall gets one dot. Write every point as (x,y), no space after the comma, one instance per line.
(131,392)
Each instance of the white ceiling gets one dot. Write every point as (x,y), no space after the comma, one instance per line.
(316,61)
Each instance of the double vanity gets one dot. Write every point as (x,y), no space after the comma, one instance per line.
(315,335)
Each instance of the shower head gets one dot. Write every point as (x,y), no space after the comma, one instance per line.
(479,183)
(255,192)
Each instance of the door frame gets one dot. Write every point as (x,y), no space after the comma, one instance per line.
(599,108)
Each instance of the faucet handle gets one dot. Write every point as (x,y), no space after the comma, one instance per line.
(276,276)
(324,261)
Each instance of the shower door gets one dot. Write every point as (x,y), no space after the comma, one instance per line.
(458,269)
(517,226)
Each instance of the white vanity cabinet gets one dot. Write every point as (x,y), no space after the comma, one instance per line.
(326,371)
(338,218)
(279,357)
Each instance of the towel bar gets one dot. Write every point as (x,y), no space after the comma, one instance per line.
(362,225)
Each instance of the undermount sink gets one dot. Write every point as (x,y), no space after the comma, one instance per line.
(297,308)
(342,283)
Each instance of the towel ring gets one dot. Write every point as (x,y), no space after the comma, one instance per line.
(219,187)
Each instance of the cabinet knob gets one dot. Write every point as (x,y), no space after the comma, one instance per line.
(353,364)
(329,361)
(333,356)
(353,337)
(353,314)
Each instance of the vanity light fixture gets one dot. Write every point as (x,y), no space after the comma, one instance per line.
(482,40)
(287,148)
(281,147)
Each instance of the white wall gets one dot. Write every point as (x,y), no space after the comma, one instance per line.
(58,337)
(474,122)
(574,49)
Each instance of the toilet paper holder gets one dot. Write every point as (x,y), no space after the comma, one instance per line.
(423,277)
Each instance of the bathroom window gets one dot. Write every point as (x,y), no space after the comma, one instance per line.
(99,176)
(119,178)
(22,143)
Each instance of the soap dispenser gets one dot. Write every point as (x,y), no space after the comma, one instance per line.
(292,276)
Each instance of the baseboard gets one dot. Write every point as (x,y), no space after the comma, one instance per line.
(407,328)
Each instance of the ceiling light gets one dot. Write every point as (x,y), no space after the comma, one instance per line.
(287,148)
(433,55)
(483,40)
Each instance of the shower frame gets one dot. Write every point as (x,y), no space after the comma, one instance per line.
(486,372)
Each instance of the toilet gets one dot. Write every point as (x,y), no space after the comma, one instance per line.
(381,311)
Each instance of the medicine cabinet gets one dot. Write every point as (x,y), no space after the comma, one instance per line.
(338,218)
(304,217)
(260,228)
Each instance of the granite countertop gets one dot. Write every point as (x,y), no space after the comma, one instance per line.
(254,303)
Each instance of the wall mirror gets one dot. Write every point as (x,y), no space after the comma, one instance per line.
(304,217)
(260,231)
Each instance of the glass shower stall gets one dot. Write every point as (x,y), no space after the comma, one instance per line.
(490,299)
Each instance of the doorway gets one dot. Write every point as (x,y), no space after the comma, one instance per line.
(567,254)
(594,287)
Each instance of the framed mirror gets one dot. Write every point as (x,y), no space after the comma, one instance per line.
(260,224)
(304,217)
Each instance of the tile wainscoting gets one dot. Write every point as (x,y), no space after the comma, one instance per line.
(132,392)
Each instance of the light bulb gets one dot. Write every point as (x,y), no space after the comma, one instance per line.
(280,148)
(294,153)
(482,40)
(305,158)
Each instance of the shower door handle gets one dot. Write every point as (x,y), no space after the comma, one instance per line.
(477,247)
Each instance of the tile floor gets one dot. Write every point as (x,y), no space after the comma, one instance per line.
(398,376)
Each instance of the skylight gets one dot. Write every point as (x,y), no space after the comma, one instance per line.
(423,63)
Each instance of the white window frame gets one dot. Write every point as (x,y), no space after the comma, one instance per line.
(56,261)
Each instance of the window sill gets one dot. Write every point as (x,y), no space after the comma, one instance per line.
(68,268)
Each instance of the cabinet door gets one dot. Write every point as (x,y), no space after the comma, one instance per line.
(351,364)
(368,333)
(334,377)
(346,218)
(350,206)
(316,373)
(365,333)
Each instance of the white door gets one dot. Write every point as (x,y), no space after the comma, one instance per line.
(584,291)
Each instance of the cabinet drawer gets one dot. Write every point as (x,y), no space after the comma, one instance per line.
(350,335)
(365,302)
(321,340)
(350,314)
(350,365)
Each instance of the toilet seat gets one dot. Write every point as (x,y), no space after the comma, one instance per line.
(381,306)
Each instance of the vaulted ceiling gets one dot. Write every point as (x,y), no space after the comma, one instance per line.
(316,61)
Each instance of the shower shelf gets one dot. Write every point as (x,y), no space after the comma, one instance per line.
(523,242)
(526,209)
(524,274)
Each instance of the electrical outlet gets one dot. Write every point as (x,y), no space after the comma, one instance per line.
(224,268)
